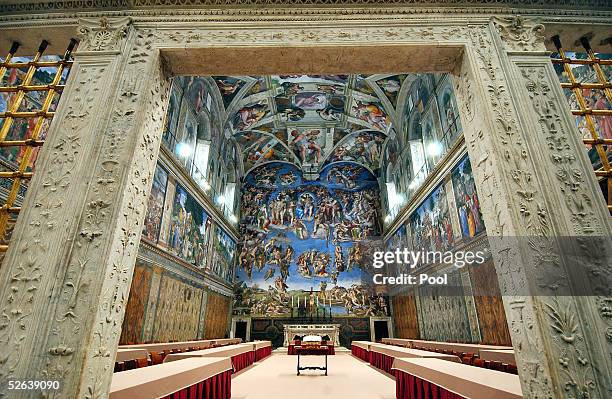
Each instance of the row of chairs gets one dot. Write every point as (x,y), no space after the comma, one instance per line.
(474,360)
(154,358)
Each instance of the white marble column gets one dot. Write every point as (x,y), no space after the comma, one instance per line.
(66,278)
(535,183)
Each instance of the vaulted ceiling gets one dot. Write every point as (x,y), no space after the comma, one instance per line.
(311,120)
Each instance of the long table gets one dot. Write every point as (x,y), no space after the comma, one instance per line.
(459,347)
(262,349)
(208,377)
(382,356)
(504,356)
(396,341)
(227,341)
(435,378)
(361,349)
(242,355)
(124,355)
(160,347)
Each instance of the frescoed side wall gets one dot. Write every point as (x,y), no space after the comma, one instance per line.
(133,322)
(155,207)
(449,218)
(224,254)
(164,306)
(189,228)
(490,308)
(405,317)
(306,236)
(178,310)
(466,197)
(217,315)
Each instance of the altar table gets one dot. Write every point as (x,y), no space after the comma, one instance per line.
(331,330)
(435,378)
(293,344)
(207,378)
(242,355)
(382,356)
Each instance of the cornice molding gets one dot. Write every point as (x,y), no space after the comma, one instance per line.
(347,6)
(310,10)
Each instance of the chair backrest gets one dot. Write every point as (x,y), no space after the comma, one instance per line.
(478,362)
(119,366)
(130,364)
(143,362)
(157,358)
(467,359)
(497,365)
(511,368)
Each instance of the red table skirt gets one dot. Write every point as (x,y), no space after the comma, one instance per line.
(331,350)
(216,387)
(243,360)
(262,353)
(408,386)
(381,361)
(361,353)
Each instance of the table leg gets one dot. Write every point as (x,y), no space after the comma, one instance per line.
(325,364)
(298,364)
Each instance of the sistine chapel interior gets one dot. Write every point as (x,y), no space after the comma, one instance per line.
(306,199)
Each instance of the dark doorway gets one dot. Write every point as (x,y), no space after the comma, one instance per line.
(381,330)
(241,330)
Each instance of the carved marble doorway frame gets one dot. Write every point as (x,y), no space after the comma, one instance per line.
(247,320)
(66,277)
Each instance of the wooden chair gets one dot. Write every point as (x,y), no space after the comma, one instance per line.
(119,366)
(467,359)
(157,358)
(130,364)
(478,362)
(142,362)
(497,365)
(512,369)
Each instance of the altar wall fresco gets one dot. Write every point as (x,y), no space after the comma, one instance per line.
(302,235)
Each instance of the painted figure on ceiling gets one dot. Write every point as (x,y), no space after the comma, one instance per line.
(247,117)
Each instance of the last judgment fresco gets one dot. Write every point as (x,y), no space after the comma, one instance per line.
(305,241)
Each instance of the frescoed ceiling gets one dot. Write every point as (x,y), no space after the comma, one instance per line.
(311,120)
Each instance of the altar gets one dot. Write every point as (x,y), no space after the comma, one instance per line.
(331,330)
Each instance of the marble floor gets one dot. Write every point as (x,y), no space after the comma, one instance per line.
(348,377)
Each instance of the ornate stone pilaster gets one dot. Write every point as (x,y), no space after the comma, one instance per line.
(577,329)
(537,190)
(66,277)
